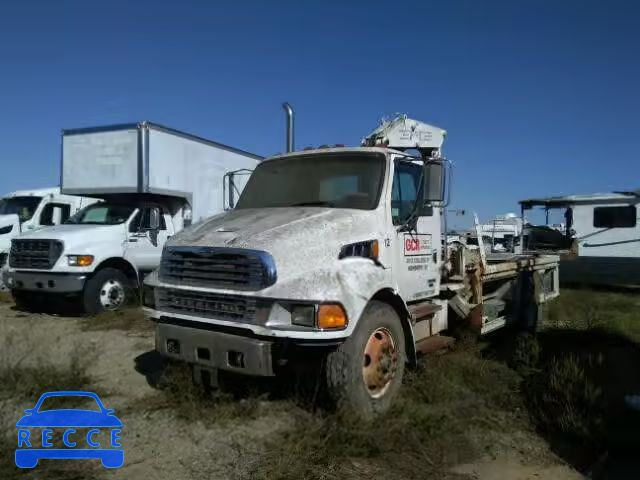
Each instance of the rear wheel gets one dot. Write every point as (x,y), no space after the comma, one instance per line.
(108,289)
(365,373)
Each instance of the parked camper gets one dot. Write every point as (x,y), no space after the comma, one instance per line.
(153,180)
(599,241)
(29,210)
(335,253)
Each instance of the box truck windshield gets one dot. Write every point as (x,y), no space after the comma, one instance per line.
(102,214)
(24,207)
(336,181)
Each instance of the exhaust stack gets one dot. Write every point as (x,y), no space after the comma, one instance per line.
(290,139)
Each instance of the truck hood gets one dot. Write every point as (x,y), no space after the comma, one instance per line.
(82,238)
(299,238)
(6,221)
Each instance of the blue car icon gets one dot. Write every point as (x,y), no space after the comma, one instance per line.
(28,452)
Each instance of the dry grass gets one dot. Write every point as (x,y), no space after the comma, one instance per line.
(193,403)
(127,319)
(449,411)
(24,376)
(5,297)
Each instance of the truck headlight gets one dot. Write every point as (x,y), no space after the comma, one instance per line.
(304,315)
(79,260)
(327,316)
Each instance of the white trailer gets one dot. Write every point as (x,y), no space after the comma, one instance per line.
(29,210)
(600,241)
(153,180)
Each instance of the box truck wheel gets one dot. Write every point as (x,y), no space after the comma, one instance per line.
(365,372)
(108,289)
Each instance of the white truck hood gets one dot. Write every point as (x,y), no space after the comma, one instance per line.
(74,236)
(300,239)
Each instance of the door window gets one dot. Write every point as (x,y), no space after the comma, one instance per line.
(404,190)
(142,221)
(55,214)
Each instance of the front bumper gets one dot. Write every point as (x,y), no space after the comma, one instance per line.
(44,282)
(213,349)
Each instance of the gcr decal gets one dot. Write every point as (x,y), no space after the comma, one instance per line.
(102,440)
(417,244)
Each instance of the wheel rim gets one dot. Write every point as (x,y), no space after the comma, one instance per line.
(380,362)
(112,294)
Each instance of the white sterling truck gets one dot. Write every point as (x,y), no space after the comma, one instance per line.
(28,210)
(154,181)
(336,250)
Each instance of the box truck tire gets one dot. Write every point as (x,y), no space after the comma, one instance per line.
(365,372)
(108,289)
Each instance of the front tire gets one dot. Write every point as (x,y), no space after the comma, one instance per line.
(364,374)
(108,289)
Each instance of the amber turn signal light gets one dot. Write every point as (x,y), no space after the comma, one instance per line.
(331,316)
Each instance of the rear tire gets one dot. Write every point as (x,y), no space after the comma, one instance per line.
(108,289)
(364,374)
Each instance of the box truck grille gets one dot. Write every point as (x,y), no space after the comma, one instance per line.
(230,268)
(208,305)
(37,254)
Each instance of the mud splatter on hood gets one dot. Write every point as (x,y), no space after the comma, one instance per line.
(299,238)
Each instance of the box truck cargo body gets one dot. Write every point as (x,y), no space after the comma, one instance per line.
(153,182)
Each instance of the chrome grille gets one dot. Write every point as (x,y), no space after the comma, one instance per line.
(208,305)
(37,254)
(231,268)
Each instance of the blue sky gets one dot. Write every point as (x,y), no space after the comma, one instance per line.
(538,97)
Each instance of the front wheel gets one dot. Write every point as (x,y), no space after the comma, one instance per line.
(364,374)
(107,290)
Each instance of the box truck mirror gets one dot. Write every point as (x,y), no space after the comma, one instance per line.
(154,218)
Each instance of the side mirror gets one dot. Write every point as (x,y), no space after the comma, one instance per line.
(433,176)
(154,218)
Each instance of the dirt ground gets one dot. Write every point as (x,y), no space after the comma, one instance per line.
(162,442)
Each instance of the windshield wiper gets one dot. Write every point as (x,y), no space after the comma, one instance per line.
(313,204)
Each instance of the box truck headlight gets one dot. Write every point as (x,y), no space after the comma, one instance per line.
(79,260)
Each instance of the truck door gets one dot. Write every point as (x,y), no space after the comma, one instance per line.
(416,250)
(144,245)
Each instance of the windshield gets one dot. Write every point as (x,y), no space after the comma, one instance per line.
(102,214)
(24,207)
(334,180)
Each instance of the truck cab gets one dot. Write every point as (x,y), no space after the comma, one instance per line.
(153,181)
(29,210)
(332,250)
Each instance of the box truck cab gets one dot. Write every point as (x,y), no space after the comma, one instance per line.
(153,181)
(28,210)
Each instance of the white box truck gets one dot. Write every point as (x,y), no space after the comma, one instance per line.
(153,180)
(28,210)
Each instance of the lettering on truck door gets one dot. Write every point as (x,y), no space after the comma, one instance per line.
(415,252)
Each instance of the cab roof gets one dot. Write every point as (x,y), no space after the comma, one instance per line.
(336,150)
